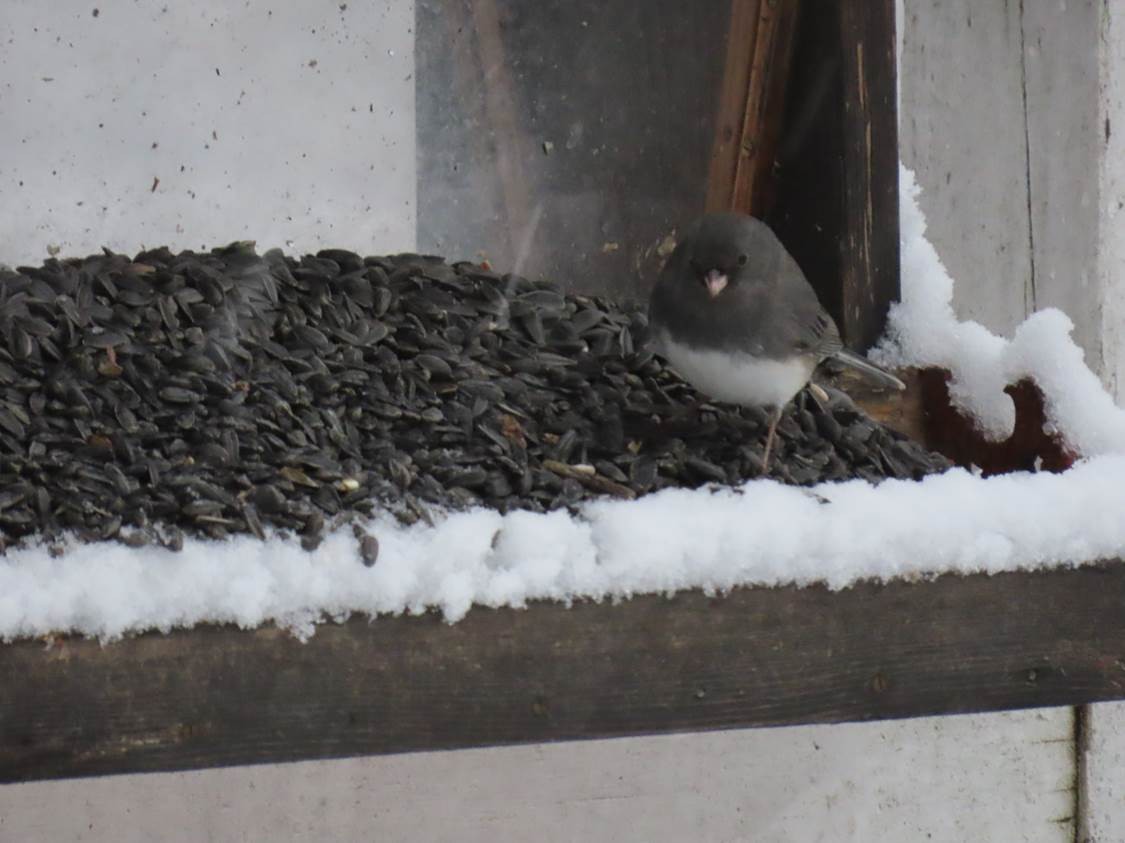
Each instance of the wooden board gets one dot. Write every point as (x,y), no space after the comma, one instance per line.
(837,195)
(870,254)
(757,657)
(924,411)
(751,106)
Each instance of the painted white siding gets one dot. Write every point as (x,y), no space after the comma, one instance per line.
(1111,201)
(197,123)
(1104,774)
(944,780)
(961,129)
(1013,116)
(1000,119)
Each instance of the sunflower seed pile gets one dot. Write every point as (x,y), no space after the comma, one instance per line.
(218,393)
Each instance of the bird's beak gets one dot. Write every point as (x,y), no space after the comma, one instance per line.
(715,282)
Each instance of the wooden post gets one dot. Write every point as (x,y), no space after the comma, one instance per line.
(751,105)
(870,239)
(837,201)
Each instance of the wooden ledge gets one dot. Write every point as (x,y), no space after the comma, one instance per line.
(217,696)
(925,413)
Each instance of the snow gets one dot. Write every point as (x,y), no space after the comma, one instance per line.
(922,330)
(762,533)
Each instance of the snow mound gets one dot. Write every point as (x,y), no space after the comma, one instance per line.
(762,533)
(923,331)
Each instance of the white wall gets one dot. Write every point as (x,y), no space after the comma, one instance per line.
(1111,207)
(1013,117)
(281,122)
(1104,761)
(1000,118)
(945,780)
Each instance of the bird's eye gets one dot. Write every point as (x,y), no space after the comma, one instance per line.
(742,259)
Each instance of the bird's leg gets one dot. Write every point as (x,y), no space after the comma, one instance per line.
(769,440)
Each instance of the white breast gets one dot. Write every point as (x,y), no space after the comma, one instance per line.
(736,377)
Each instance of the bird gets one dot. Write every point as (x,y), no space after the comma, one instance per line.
(735,316)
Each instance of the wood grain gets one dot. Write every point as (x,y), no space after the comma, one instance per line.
(869,241)
(1030,447)
(837,197)
(757,657)
(751,105)
(904,411)
(731,111)
(924,411)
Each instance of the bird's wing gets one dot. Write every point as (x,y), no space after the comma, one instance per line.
(816,331)
(807,325)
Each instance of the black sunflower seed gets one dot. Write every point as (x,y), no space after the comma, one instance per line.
(225,392)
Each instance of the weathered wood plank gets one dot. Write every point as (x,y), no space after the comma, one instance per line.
(734,95)
(962,89)
(837,199)
(1065,136)
(924,411)
(757,657)
(869,240)
(1032,445)
(751,106)
(901,410)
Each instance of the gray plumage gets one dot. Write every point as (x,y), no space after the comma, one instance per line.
(735,316)
(768,308)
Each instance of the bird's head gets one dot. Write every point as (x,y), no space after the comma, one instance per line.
(715,276)
(720,252)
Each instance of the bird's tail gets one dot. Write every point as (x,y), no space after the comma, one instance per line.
(873,372)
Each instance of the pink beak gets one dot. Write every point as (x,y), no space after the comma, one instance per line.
(715,282)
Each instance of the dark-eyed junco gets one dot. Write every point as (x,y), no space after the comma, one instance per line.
(735,316)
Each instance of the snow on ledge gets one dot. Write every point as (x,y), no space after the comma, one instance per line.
(762,533)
